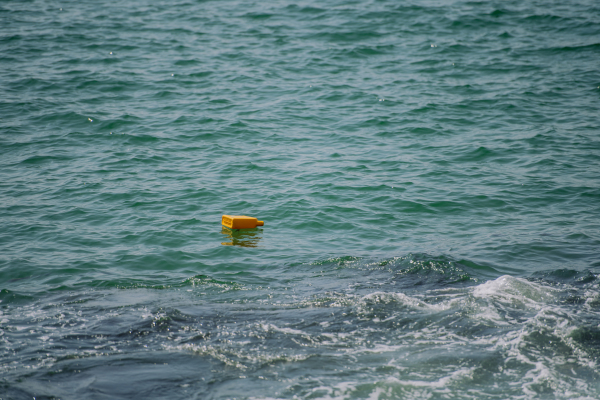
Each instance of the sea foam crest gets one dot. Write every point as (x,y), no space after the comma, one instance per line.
(516,290)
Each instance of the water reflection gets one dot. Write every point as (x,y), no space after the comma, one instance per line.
(242,237)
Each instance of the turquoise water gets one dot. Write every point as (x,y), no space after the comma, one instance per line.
(428,174)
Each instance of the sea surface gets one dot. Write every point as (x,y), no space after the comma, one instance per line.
(428,173)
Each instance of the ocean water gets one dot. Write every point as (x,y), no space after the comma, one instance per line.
(428,173)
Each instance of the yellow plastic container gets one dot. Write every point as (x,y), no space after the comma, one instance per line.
(240,222)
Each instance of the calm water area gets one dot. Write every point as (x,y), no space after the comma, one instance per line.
(428,173)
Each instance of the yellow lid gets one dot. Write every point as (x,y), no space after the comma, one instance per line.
(240,222)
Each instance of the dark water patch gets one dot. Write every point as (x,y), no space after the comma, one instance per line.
(310,10)
(41,160)
(9,298)
(424,270)
(588,338)
(469,22)
(499,13)
(563,276)
(593,48)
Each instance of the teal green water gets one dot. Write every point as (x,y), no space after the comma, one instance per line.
(428,174)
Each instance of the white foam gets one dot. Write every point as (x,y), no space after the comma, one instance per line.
(441,383)
(289,331)
(509,288)
(385,298)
